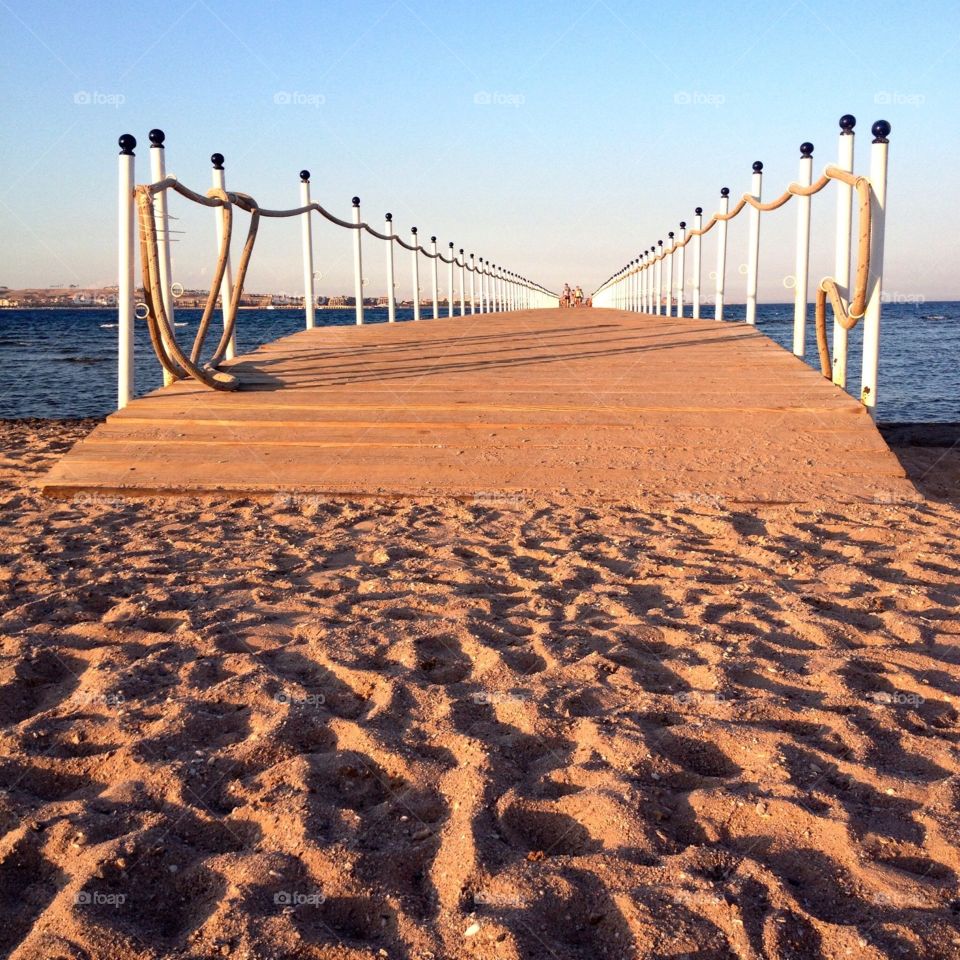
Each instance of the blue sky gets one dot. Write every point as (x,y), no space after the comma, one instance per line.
(558,139)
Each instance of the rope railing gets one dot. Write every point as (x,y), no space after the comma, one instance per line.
(144,207)
(655,282)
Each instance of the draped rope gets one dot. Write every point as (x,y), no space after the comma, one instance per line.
(828,289)
(162,335)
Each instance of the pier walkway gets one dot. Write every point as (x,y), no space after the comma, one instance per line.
(601,403)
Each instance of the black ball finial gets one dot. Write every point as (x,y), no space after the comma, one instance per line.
(433,239)
(659,243)
(157,137)
(451,244)
(389,218)
(724,191)
(305,176)
(217,160)
(413,230)
(806,149)
(461,251)
(757,166)
(356,201)
(670,235)
(847,122)
(881,130)
(698,211)
(127,143)
(683,224)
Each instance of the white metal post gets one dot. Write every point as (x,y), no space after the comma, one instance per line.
(841,270)
(681,268)
(669,278)
(659,280)
(651,279)
(753,252)
(722,253)
(473,284)
(416,274)
(226,290)
(697,261)
(357,260)
(483,287)
(641,281)
(463,285)
(801,287)
(391,282)
(878,215)
(306,230)
(158,171)
(126,210)
(435,275)
(645,284)
(450,281)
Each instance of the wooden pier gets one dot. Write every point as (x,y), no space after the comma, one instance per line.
(597,403)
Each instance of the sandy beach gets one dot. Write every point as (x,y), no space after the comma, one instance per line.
(432,728)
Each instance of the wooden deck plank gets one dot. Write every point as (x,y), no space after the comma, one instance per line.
(600,403)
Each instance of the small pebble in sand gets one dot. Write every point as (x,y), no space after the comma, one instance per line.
(472,930)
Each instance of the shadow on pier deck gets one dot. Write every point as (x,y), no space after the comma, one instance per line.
(597,403)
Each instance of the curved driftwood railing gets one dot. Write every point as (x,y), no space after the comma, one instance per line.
(492,287)
(647,282)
